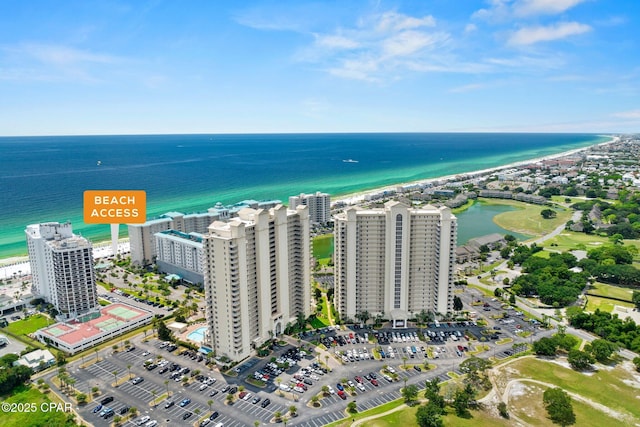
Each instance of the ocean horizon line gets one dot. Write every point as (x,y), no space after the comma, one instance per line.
(461,132)
(359,196)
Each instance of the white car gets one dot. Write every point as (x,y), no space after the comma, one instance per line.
(360,387)
(151,423)
(331,390)
(143,420)
(203,386)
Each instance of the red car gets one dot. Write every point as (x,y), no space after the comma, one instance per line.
(374,382)
(358,379)
(243,394)
(342,395)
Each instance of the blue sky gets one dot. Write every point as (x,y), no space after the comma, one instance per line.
(130,67)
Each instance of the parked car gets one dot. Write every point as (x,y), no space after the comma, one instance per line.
(185,402)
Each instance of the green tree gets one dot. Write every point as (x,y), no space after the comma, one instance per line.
(164,333)
(548,213)
(429,415)
(636,299)
(352,408)
(545,347)
(636,362)
(457,303)
(558,405)
(432,393)
(580,360)
(410,393)
(601,349)
(502,410)
(81,398)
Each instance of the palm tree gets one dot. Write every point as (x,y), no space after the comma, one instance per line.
(241,388)
(325,389)
(115,378)
(404,361)
(154,393)
(229,398)
(97,357)
(256,423)
(314,400)
(209,402)
(166,384)
(326,360)
(277,415)
(279,381)
(293,410)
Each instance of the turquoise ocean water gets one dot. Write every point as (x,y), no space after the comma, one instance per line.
(43,178)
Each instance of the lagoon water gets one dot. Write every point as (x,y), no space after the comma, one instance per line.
(43,178)
(477,221)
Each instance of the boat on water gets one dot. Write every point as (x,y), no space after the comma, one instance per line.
(99,163)
(350,161)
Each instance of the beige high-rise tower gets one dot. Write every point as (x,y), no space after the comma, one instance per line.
(394,260)
(256,277)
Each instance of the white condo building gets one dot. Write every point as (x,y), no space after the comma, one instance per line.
(180,253)
(394,260)
(62,268)
(319,205)
(256,277)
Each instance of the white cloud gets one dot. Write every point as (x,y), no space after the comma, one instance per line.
(470,28)
(409,42)
(54,62)
(393,21)
(506,9)
(543,7)
(537,34)
(335,41)
(633,114)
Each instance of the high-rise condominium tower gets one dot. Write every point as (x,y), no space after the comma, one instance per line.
(256,277)
(395,261)
(62,268)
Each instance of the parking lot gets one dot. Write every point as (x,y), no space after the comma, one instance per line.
(369,361)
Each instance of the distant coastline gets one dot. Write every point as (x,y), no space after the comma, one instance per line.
(232,168)
(356,197)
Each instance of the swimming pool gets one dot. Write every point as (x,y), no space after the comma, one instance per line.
(198,334)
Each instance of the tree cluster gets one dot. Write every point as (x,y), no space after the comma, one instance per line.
(624,333)
(12,376)
(551,279)
(620,217)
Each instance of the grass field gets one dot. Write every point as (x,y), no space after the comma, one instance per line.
(610,291)
(609,387)
(527,219)
(29,325)
(323,246)
(604,304)
(529,407)
(29,396)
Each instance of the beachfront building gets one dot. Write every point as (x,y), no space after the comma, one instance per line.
(256,277)
(319,205)
(62,268)
(180,253)
(142,236)
(395,261)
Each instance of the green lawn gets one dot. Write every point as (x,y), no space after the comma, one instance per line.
(610,291)
(29,325)
(604,304)
(529,407)
(569,240)
(28,395)
(323,246)
(526,219)
(606,386)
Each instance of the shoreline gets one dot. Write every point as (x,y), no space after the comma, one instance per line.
(359,196)
(354,198)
